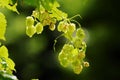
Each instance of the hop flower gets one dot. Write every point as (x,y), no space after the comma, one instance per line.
(80,33)
(30,31)
(29,21)
(39,28)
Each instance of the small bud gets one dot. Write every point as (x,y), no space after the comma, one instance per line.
(86,64)
(35,14)
(52,27)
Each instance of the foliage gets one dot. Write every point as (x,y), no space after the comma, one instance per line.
(46,14)
(9,5)
(2,26)
(6,64)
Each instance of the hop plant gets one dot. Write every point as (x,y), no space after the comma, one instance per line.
(72,57)
(65,55)
(73,52)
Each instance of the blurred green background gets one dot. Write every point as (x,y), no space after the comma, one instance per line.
(35,58)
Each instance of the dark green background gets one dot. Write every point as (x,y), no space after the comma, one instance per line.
(34,57)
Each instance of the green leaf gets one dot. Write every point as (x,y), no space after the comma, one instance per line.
(9,5)
(2,26)
(13,7)
(6,76)
(3,3)
(10,64)
(3,52)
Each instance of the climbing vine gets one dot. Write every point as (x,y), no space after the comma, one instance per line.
(47,14)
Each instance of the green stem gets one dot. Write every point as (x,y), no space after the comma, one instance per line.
(55,41)
(78,15)
(77,23)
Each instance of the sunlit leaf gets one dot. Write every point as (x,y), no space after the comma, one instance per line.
(3,52)
(13,8)
(3,3)
(9,5)
(10,64)
(2,26)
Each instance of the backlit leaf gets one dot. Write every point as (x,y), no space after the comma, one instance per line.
(2,26)
(10,64)
(3,52)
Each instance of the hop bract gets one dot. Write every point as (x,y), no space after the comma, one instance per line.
(30,31)
(39,28)
(29,21)
(63,26)
(71,27)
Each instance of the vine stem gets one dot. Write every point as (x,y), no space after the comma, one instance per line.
(76,22)
(72,19)
(78,15)
(55,41)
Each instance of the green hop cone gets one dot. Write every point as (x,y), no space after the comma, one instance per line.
(63,59)
(30,31)
(63,26)
(39,28)
(73,55)
(65,56)
(77,42)
(71,27)
(29,21)
(80,33)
